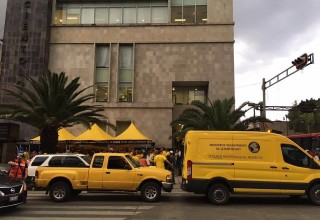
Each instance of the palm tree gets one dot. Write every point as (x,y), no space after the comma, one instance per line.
(50,104)
(218,115)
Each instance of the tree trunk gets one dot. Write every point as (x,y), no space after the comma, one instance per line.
(49,140)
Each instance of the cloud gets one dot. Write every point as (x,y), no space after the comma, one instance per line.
(268,36)
(272,27)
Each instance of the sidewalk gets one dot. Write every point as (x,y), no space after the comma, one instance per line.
(177,180)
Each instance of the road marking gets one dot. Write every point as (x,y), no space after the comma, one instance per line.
(102,207)
(88,213)
(64,218)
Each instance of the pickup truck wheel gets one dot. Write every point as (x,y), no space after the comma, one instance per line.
(150,191)
(218,194)
(314,194)
(60,192)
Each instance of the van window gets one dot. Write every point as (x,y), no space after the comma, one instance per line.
(38,161)
(294,156)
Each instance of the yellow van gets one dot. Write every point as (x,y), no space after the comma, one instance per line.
(220,163)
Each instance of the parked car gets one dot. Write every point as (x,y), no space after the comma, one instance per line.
(57,160)
(109,172)
(12,192)
(5,168)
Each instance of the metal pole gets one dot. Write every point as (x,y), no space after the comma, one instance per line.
(264,97)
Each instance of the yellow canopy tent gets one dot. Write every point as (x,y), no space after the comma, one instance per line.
(63,135)
(95,134)
(131,136)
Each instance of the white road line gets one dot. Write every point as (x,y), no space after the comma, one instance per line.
(102,207)
(64,218)
(89,214)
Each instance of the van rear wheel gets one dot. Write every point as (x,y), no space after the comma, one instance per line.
(314,194)
(218,194)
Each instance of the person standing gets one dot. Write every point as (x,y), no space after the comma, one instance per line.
(19,168)
(160,160)
(172,160)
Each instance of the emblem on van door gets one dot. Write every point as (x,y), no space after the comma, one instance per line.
(254,147)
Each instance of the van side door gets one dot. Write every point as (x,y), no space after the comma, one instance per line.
(295,169)
(256,165)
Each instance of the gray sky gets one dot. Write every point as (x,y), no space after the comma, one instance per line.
(3,5)
(269,34)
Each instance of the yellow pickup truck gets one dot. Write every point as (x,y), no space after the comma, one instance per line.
(107,172)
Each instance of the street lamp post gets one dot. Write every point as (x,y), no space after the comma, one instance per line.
(306,61)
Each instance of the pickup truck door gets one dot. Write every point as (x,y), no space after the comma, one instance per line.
(119,174)
(96,173)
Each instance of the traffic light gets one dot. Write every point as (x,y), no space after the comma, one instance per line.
(301,61)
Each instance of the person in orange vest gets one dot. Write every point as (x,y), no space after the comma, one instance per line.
(19,168)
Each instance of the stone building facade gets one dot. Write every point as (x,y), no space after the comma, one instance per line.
(146,61)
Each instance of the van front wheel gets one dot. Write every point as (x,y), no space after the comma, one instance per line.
(314,194)
(218,194)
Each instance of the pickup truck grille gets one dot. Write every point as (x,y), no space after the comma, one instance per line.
(11,190)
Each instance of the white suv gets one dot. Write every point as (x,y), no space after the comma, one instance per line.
(57,160)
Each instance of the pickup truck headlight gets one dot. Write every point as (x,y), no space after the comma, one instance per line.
(169,178)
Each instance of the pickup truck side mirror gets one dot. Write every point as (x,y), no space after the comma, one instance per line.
(127,167)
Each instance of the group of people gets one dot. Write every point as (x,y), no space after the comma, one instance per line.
(19,166)
(162,159)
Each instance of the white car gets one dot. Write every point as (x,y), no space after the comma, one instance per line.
(56,160)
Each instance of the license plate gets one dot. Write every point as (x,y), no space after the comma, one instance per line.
(13,198)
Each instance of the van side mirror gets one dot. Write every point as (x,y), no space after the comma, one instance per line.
(127,167)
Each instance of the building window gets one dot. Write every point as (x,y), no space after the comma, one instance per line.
(183,93)
(115,15)
(143,15)
(188,11)
(87,16)
(102,73)
(73,16)
(101,16)
(129,15)
(125,73)
(135,12)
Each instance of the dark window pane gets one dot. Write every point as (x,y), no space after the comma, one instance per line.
(189,14)
(73,162)
(55,161)
(176,14)
(201,14)
(116,162)
(98,162)
(294,156)
(38,161)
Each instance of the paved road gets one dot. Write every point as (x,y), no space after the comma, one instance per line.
(176,205)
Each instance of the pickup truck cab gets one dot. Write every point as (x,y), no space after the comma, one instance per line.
(107,172)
